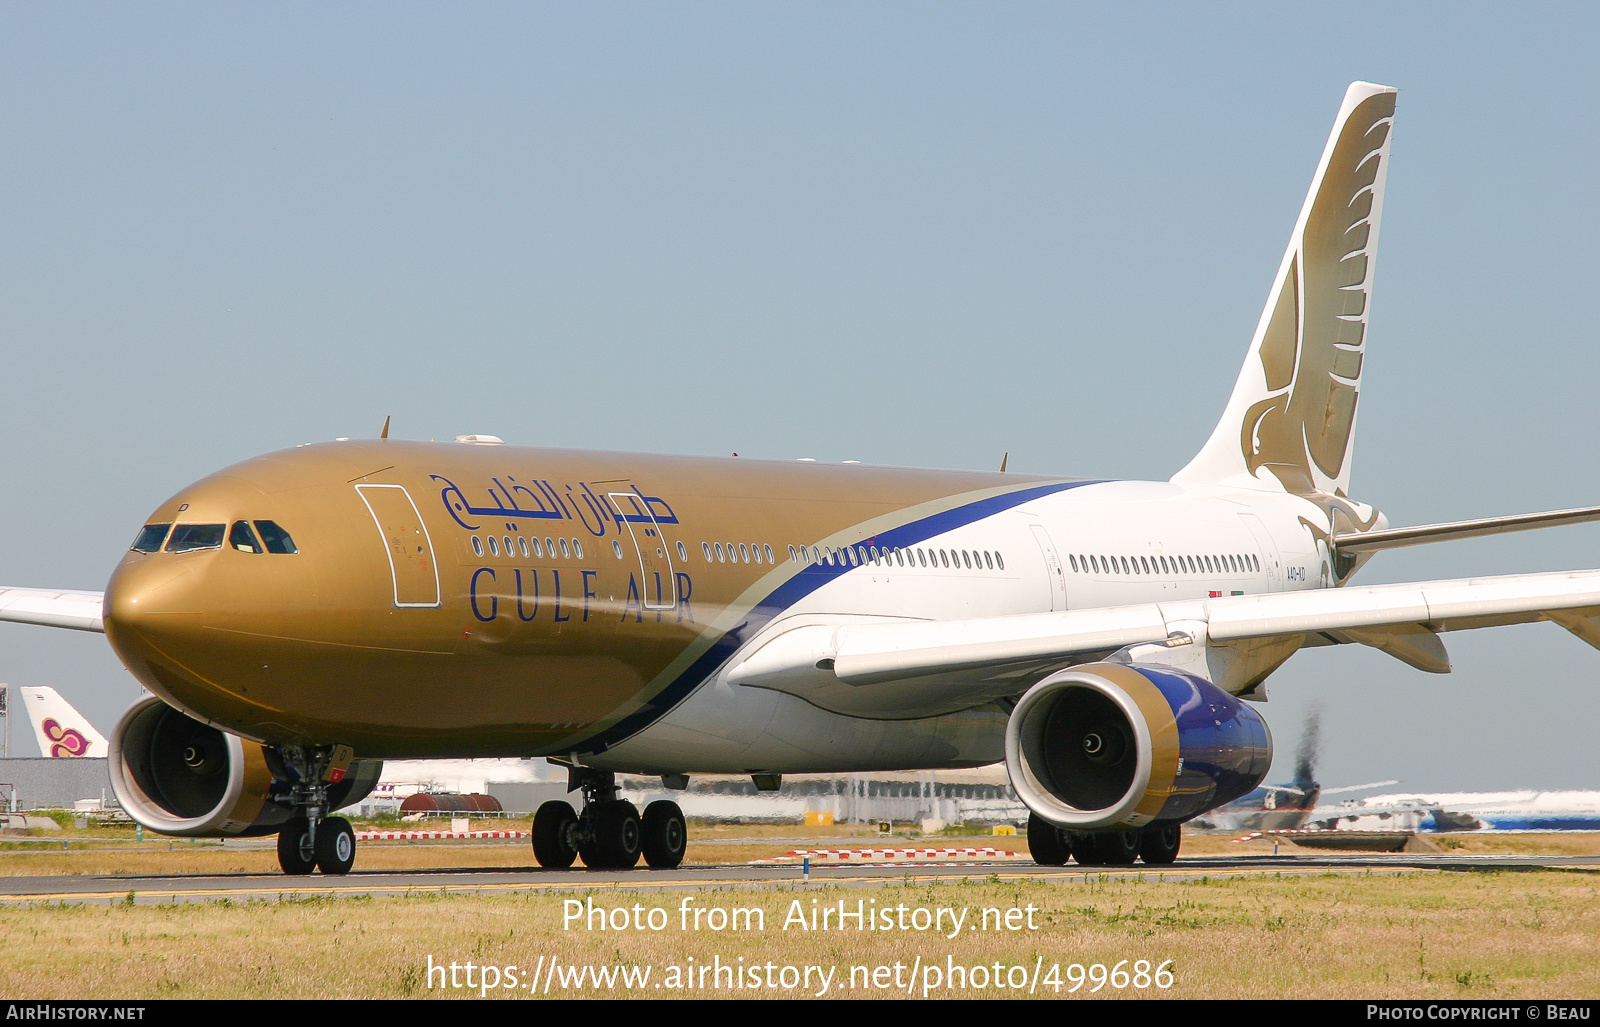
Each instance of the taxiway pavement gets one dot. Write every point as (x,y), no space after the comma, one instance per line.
(178,888)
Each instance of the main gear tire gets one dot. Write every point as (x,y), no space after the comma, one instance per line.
(1117,848)
(613,835)
(664,835)
(1158,846)
(553,825)
(1049,844)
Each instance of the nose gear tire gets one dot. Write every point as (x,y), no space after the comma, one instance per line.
(336,846)
(295,855)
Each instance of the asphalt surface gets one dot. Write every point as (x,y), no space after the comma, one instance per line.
(175,888)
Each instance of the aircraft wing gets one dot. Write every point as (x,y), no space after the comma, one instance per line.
(53,607)
(955,663)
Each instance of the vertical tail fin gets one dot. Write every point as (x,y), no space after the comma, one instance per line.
(1290,423)
(60,729)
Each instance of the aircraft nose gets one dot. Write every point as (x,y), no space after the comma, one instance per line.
(144,589)
(150,608)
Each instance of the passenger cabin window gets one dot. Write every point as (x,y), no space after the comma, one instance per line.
(150,538)
(683,551)
(186,538)
(276,539)
(477,546)
(243,539)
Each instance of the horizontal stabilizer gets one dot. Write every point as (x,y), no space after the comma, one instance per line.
(1422,534)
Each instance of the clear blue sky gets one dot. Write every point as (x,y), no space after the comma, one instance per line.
(899,233)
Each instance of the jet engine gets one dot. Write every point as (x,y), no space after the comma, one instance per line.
(176,775)
(1109,746)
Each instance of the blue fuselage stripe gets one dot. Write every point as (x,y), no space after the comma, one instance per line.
(804,582)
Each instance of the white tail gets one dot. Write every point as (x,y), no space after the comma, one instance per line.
(61,730)
(1290,423)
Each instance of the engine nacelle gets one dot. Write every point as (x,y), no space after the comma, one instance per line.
(1109,746)
(175,775)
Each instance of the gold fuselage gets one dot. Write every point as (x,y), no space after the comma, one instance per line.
(348,642)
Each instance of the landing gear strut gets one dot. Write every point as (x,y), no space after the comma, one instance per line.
(311,838)
(609,834)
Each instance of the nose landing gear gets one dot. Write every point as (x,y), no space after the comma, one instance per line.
(609,834)
(312,839)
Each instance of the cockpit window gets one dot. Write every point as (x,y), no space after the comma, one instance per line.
(186,538)
(277,540)
(150,538)
(243,539)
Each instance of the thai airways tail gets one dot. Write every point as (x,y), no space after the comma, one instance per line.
(60,729)
(1290,423)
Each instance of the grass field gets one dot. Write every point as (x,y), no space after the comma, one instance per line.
(1446,935)
(1480,934)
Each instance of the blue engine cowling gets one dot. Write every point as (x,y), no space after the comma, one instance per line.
(1111,746)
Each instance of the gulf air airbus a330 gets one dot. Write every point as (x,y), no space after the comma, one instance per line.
(303,615)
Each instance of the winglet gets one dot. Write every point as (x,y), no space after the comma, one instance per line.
(1290,423)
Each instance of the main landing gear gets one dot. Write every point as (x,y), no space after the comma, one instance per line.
(312,839)
(609,834)
(1053,846)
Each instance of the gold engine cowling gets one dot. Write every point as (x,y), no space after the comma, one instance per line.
(1110,746)
(176,775)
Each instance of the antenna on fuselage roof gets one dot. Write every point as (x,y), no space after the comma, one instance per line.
(385,433)
(1003,460)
